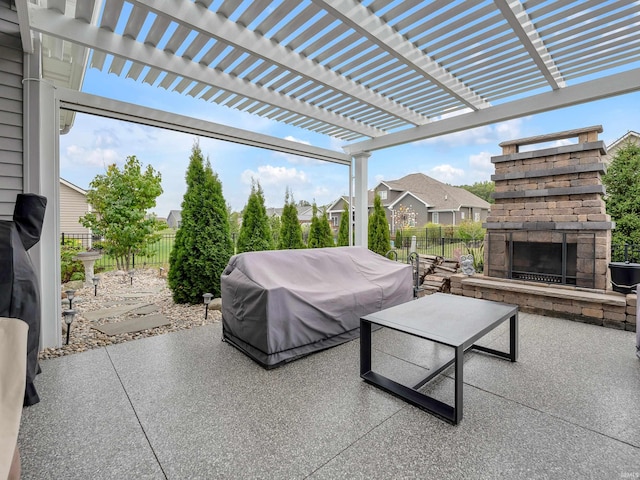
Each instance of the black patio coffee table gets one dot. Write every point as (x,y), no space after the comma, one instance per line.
(451,320)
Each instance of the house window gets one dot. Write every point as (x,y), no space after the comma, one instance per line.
(435,217)
(476,217)
(461,215)
(383,194)
(335,221)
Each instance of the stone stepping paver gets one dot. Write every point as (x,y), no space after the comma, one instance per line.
(136,294)
(112,312)
(146,310)
(133,324)
(114,303)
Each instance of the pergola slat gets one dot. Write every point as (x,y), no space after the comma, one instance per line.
(343,67)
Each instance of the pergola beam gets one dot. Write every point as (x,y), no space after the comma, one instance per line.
(194,16)
(105,107)
(379,32)
(59,26)
(519,21)
(618,84)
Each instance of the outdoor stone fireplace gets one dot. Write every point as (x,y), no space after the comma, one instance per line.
(549,223)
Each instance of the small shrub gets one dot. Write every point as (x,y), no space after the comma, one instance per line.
(77,276)
(70,269)
(433,231)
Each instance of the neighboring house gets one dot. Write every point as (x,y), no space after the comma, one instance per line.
(174,219)
(274,212)
(335,211)
(304,213)
(73,205)
(416,199)
(627,138)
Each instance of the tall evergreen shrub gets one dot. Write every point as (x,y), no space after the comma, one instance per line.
(320,232)
(343,230)
(202,247)
(290,231)
(255,231)
(379,239)
(622,182)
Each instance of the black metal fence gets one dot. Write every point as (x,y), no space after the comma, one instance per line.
(158,255)
(442,243)
(444,247)
(625,253)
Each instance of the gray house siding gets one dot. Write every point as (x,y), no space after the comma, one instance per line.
(11,71)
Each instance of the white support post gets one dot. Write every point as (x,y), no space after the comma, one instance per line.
(351,202)
(42,176)
(361,160)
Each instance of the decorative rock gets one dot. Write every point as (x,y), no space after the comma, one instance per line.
(111,294)
(216,304)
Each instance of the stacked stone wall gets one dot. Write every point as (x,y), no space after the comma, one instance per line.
(612,310)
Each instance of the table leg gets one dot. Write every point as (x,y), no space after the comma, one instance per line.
(459,385)
(365,347)
(513,339)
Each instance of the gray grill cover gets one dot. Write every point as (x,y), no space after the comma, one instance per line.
(280,305)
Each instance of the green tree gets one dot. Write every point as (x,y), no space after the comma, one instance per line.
(275,224)
(290,231)
(235,219)
(202,247)
(255,232)
(482,190)
(343,230)
(399,239)
(325,229)
(120,200)
(622,182)
(379,240)
(320,231)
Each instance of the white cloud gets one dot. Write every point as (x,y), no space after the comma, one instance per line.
(481,161)
(487,134)
(106,138)
(508,130)
(78,156)
(270,175)
(446,173)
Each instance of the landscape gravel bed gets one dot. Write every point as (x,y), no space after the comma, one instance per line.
(117,289)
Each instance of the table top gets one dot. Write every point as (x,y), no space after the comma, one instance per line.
(452,320)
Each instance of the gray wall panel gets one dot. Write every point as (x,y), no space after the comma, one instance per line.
(11,117)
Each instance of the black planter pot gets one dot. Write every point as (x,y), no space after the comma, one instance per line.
(624,276)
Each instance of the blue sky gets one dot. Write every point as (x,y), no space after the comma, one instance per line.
(461,158)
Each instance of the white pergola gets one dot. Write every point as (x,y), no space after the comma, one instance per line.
(374,74)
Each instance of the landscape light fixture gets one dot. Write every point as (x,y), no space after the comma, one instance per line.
(70,294)
(207,300)
(68,319)
(161,271)
(131,276)
(96,280)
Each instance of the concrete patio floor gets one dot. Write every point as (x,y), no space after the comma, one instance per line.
(186,405)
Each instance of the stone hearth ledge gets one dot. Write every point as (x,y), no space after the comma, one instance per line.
(608,309)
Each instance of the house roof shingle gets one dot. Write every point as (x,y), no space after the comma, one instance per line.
(435,194)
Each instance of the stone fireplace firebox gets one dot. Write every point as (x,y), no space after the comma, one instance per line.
(549,223)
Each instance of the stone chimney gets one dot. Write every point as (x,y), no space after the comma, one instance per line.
(549,223)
